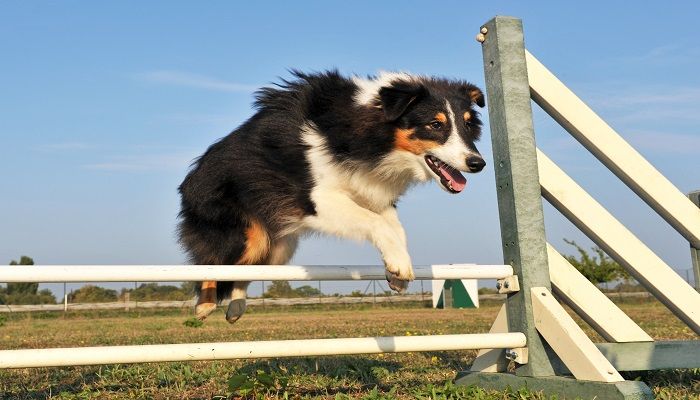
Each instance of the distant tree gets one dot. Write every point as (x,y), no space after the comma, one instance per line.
(189,288)
(92,294)
(306,291)
(597,268)
(280,289)
(153,292)
(22,288)
(25,292)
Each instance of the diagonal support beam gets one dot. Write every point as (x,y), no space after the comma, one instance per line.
(616,240)
(493,360)
(613,151)
(566,338)
(590,303)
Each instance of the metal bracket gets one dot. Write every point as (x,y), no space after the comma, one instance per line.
(518,355)
(508,285)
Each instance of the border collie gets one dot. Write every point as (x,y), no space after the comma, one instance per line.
(330,154)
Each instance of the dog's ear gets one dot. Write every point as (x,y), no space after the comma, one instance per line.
(398,97)
(476,95)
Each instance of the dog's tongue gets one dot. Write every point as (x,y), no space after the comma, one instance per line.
(455,178)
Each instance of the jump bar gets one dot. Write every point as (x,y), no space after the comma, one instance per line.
(60,357)
(184,273)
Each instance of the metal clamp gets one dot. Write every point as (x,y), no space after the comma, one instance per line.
(518,355)
(508,285)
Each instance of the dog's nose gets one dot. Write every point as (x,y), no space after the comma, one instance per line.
(475,163)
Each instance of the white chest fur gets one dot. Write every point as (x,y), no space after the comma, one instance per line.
(375,188)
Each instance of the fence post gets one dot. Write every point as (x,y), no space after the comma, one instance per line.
(262,294)
(517,180)
(374,291)
(694,251)
(65,298)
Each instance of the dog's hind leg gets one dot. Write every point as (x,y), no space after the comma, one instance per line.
(280,251)
(206,302)
(256,251)
(237,306)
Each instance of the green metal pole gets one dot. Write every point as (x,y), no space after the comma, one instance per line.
(517,179)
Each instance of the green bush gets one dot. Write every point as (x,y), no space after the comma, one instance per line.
(598,268)
(193,323)
(155,292)
(92,294)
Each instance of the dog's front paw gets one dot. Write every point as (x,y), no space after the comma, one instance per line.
(399,272)
(395,283)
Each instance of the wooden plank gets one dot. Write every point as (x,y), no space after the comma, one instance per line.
(517,181)
(590,303)
(493,360)
(648,356)
(567,339)
(695,250)
(613,151)
(616,240)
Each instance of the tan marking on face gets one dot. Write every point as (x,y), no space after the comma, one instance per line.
(467,115)
(405,142)
(441,117)
(257,244)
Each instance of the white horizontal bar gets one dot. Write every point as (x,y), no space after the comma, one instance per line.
(183,273)
(612,150)
(60,357)
(621,244)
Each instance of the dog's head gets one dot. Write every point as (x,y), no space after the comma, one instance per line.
(434,125)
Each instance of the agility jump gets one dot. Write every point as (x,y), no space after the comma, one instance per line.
(549,350)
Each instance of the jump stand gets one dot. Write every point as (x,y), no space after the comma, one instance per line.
(559,358)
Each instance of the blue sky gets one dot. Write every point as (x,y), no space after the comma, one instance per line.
(104,105)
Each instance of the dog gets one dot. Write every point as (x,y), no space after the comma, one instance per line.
(330,154)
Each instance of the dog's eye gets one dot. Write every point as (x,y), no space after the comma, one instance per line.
(436,125)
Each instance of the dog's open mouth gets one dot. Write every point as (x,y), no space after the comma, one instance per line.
(450,178)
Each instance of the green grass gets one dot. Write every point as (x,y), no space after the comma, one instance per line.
(388,376)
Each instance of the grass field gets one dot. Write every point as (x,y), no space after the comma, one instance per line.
(388,376)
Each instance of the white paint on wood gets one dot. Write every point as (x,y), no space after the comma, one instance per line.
(611,149)
(608,233)
(590,303)
(566,338)
(493,360)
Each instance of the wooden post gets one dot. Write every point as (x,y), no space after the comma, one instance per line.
(517,179)
(695,251)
